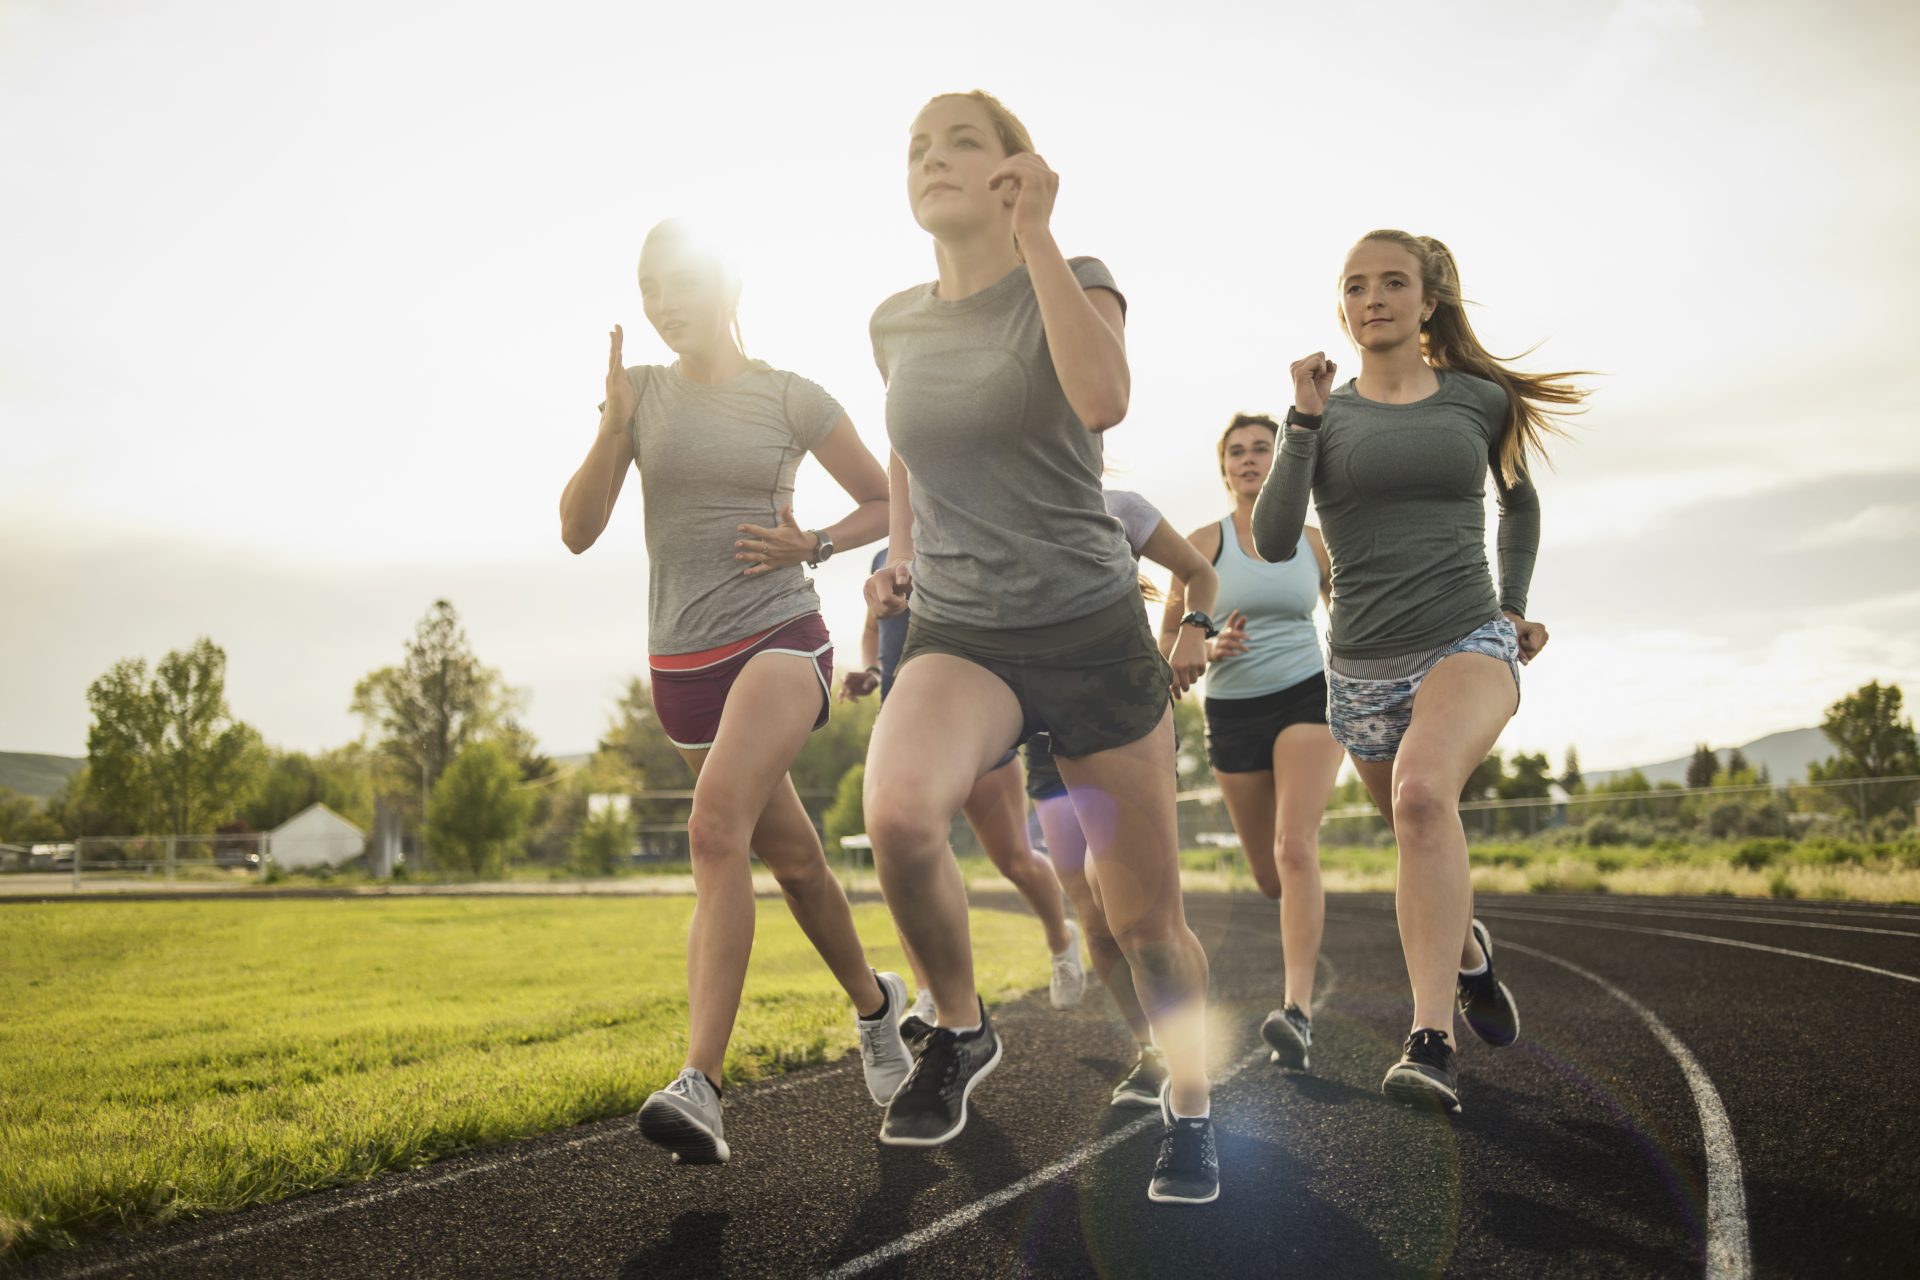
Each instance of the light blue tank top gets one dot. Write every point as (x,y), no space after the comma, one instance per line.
(1278,599)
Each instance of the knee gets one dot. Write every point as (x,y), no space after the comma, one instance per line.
(797,869)
(711,835)
(1419,801)
(899,828)
(1296,852)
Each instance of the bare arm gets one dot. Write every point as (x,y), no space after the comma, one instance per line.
(1085,327)
(848,461)
(888,589)
(587,501)
(1197,586)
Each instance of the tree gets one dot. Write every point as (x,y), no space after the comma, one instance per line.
(24,822)
(603,840)
(1702,767)
(292,780)
(478,813)
(430,707)
(1484,779)
(165,754)
(1873,741)
(1529,779)
(1571,780)
(847,817)
(1737,764)
(74,810)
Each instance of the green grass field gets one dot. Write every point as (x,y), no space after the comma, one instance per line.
(169,1058)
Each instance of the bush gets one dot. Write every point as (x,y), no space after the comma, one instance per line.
(1780,887)
(847,816)
(602,843)
(1565,876)
(1604,831)
(1755,854)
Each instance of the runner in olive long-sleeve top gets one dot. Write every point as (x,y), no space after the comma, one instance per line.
(1424,668)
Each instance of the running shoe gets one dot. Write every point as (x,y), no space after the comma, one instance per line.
(918,1021)
(1289,1033)
(883,1050)
(684,1118)
(1425,1076)
(1069,974)
(1485,1003)
(1141,1086)
(931,1107)
(1187,1170)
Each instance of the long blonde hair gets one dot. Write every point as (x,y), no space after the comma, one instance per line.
(1447,340)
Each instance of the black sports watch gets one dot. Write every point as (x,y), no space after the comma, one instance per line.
(1308,421)
(1202,621)
(823,548)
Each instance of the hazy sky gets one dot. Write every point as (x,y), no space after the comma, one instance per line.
(303,308)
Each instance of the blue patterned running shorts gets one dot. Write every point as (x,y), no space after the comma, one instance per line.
(1369,717)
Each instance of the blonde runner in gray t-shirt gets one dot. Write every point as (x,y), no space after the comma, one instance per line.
(1000,377)
(741,659)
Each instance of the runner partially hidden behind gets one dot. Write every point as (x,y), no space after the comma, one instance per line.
(739,656)
(996,809)
(1425,664)
(1001,375)
(1266,708)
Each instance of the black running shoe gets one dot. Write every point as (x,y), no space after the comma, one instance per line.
(1485,1003)
(931,1106)
(1289,1033)
(1141,1086)
(1425,1076)
(1187,1170)
(915,1032)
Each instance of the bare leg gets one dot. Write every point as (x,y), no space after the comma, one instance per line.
(1305,761)
(945,724)
(768,715)
(997,812)
(1124,798)
(1068,846)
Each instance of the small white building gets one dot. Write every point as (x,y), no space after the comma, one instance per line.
(316,837)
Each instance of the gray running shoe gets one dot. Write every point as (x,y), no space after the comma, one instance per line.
(883,1051)
(1141,1086)
(684,1118)
(1289,1033)
(1069,973)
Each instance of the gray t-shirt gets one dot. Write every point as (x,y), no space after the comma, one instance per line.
(1138,518)
(1009,527)
(1401,492)
(712,458)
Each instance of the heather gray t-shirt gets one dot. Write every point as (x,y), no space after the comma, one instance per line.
(712,458)
(1401,492)
(1009,525)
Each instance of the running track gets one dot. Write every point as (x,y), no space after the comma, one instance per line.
(1704,1086)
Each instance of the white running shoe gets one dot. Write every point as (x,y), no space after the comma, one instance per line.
(922,1007)
(1069,974)
(684,1118)
(883,1054)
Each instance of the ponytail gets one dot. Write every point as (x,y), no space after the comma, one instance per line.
(1535,401)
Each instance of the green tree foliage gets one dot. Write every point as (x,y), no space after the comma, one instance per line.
(847,817)
(1702,767)
(603,841)
(164,753)
(478,813)
(1874,741)
(341,779)
(634,737)
(1527,779)
(425,711)
(1739,766)
(24,822)
(74,810)
(1571,779)
(1484,779)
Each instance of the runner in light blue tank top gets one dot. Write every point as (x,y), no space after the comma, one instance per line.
(1267,738)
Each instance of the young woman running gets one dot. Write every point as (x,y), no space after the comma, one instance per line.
(1149,537)
(996,809)
(1266,708)
(1425,665)
(739,655)
(1000,377)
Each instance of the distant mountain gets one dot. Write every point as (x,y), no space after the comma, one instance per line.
(37,775)
(1785,756)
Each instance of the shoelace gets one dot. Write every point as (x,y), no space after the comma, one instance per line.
(1186,1147)
(1428,1045)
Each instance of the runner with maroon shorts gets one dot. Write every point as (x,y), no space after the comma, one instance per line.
(741,661)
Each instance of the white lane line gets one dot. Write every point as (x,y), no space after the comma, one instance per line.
(1722,915)
(968,1214)
(1729,1253)
(1526,917)
(615,1128)
(1858,911)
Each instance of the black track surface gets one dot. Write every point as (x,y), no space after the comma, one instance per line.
(1580,1150)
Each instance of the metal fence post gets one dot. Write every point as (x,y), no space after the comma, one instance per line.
(171,842)
(79,844)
